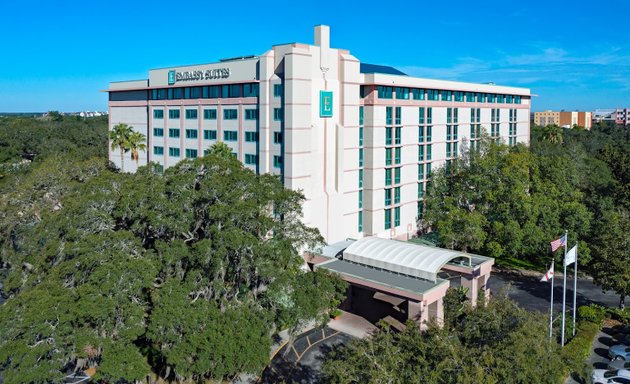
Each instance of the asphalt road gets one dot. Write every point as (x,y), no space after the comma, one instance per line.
(532,294)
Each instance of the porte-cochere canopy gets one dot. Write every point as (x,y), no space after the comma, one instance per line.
(405,258)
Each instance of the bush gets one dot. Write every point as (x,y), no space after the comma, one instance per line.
(621,315)
(591,313)
(577,350)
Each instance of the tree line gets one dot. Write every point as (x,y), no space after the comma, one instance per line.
(181,275)
(510,202)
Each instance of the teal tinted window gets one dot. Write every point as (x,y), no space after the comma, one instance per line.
(388,115)
(385,92)
(230,114)
(361,199)
(251,159)
(251,136)
(191,133)
(397,175)
(277,114)
(470,97)
(172,151)
(388,197)
(158,132)
(173,133)
(173,113)
(402,93)
(398,115)
(360,157)
(429,115)
(251,114)
(361,115)
(277,90)
(277,137)
(432,94)
(447,96)
(459,96)
(388,176)
(388,219)
(360,221)
(158,150)
(210,114)
(191,114)
(250,90)
(210,134)
(191,153)
(429,150)
(389,134)
(230,135)
(360,135)
(360,178)
(277,161)
(397,195)
(418,94)
(158,113)
(396,216)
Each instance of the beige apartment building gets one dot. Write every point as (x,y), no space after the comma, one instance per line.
(563,119)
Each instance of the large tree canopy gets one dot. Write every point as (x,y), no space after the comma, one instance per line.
(185,275)
(499,343)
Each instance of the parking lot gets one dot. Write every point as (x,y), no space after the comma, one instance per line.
(598,358)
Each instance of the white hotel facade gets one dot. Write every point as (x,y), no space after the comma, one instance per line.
(359,140)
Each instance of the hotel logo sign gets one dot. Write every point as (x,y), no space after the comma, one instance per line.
(208,74)
(325,103)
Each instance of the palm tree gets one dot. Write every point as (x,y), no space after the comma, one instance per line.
(119,136)
(553,134)
(137,141)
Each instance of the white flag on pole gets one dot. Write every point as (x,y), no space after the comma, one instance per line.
(548,275)
(570,257)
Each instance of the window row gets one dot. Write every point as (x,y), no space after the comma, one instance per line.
(208,114)
(206,92)
(404,93)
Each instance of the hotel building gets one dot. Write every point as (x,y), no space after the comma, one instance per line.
(359,140)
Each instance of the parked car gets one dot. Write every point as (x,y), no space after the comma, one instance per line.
(619,352)
(603,376)
(618,364)
(622,339)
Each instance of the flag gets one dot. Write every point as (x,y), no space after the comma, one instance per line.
(570,257)
(561,242)
(548,275)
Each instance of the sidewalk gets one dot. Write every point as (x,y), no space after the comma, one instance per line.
(352,325)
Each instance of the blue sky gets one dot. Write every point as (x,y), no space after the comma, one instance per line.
(57,55)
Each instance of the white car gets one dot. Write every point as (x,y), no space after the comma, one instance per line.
(603,376)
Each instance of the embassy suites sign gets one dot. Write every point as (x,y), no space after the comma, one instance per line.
(208,74)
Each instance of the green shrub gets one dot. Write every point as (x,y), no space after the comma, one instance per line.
(591,313)
(621,315)
(577,350)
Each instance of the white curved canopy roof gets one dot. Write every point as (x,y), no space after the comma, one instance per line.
(401,257)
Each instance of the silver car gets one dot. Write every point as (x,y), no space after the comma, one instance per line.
(603,376)
(618,364)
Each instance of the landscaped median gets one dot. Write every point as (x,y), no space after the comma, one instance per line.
(577,350)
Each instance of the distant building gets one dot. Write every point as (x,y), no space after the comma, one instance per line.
(563,119)
(543,119)
(619,116)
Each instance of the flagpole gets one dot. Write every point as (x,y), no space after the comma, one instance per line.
(575,288)
(551,309)
(564,287)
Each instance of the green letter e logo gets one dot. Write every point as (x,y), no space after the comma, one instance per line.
(171,77)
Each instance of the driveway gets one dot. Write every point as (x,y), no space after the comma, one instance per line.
(532,294)
(302,362)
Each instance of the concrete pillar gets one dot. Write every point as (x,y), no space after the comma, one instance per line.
(439,313)
(471,284)
(418,312)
